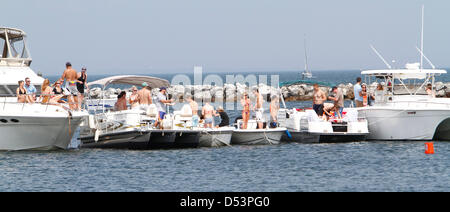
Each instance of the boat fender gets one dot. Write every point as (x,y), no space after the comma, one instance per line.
(91,122)
(97,134)
(288,134)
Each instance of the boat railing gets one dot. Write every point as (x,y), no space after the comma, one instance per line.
(425,104)
(38,97)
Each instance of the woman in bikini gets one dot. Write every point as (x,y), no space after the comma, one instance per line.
(246,110)
(134,98)
(21,93)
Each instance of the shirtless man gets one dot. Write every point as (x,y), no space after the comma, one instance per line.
(208,112)
(70,75)
(259,110)
(144,96)
(319,98)
(194,107)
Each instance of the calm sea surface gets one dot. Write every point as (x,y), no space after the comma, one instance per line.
(361,166)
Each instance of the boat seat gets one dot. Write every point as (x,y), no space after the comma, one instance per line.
(185,114)
(152,112)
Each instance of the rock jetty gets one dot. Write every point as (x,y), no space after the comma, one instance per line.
(232,92)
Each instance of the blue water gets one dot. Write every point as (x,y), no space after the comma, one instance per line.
(360,166)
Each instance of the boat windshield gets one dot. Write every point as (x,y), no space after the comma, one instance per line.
(13,47)
(402,82)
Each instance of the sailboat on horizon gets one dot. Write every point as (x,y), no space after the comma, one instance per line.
(306,73)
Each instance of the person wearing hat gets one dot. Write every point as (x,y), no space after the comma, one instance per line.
(144,96)
(380,93)
(82,83)
(162,101)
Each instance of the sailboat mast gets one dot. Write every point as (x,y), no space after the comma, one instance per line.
(306,57)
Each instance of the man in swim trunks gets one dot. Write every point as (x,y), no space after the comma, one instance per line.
(70,75)
(194,107)
(259,110)
(319,98)
(144,96)
(208,112)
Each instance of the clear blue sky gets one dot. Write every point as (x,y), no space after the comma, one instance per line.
(116,37)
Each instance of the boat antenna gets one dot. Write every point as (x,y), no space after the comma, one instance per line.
(381,57)
(306,56)
(421,39)
(426,58)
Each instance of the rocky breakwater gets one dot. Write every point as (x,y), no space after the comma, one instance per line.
(233,92)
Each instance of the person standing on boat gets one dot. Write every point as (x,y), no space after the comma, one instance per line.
(245,102)
(31,90)
(338,101)
(82,83)
(356,90)
(259,110)
(121,103)
(274,107)
(134,98)
(364,94)
(319,98)
(162,101)
(70,76)
(194,108)
(144,96)
(208,112)
(430,90)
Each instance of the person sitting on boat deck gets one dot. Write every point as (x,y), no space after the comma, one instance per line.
(225,120)
(259,110)
(134,98)
(58,91)
(327,108)
(338,101)
(208,112)
(194,108)
(364,94)
(31,90)
(356,90)
(430,90)
(121,103)
(82,83)
(245,102)
(70,76)
(319,98)
(47,93)
(21,93)
(274,107)
(162,101)
(145,96)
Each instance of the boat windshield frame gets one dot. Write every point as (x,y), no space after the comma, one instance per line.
(398,77)
(10,55)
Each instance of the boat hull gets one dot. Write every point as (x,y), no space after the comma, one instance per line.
(398,124)
(37,133)
(216,137)
(257,137)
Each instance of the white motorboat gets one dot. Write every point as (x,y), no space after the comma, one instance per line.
(134,129)
(254,136)
(305,126)
(29,126)
(404,110)
(129,129)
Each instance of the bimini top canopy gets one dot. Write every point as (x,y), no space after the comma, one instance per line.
(11,33)
(135,80)
(405,73)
